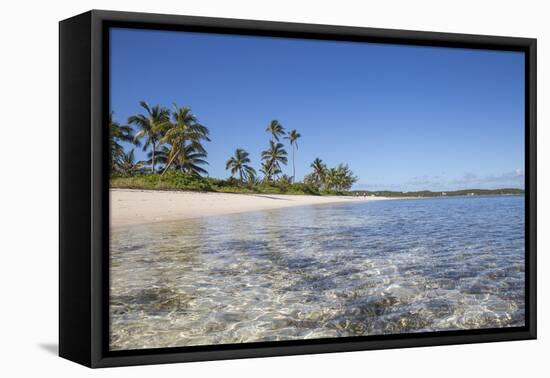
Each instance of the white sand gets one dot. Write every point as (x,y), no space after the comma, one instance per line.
(146,206)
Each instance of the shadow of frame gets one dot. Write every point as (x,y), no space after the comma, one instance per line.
(51,348)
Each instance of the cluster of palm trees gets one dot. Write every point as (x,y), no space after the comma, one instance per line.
(339,178)
(171,138)
(272,158)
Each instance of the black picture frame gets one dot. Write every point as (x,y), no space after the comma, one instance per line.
(84,199)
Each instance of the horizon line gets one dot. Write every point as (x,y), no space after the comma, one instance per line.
(436,191)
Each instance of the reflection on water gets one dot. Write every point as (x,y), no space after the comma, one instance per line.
(319,271)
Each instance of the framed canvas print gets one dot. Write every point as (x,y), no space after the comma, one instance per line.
(233,188)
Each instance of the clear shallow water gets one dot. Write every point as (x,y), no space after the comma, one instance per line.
(319,271)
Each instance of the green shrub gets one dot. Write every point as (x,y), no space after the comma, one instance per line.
(230,182)
(329,192)
(175,180)
(268,188)
(172,180)
(301,188)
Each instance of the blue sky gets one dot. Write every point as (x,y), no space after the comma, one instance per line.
(402,117)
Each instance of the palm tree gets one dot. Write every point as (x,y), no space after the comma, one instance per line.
(292,137)
(127,165)
(239,163)
(273,157)
(190,159)
(319,171)
(252,179)
(150,125)
(118,133)
(346,178)
(269,170)
(331,178)
(184,131)
(285,180)
(275,129)
(340,178)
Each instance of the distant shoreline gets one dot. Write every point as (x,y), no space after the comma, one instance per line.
(431,194)
(138,206)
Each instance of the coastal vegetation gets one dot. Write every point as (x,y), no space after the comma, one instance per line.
(177,159)
(428,193)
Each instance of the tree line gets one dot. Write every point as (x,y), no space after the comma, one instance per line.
(174,139)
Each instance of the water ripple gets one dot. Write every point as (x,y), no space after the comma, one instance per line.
(319,272)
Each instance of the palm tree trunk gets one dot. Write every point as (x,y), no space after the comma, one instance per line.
(170,163)
(153,158)
(293,167)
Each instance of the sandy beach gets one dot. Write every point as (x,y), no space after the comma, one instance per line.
(146,206)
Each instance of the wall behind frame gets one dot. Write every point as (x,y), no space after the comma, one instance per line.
(29,194)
